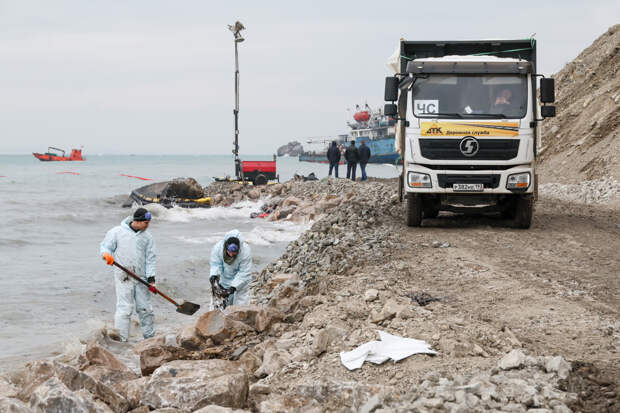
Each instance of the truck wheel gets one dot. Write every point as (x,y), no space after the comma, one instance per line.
(414,210)
(430,210)
(524,210)
(509,209)
(260,180)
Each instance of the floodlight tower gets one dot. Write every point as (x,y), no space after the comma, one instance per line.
(236,30)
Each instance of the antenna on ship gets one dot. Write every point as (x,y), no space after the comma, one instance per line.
(236,30)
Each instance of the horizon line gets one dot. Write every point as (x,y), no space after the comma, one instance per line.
(151,154)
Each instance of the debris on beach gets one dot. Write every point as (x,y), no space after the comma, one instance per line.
(181,192)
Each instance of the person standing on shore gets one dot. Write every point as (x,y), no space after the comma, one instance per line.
(352,157)
(133,247)
(333,156)
(364,157)
(231,268)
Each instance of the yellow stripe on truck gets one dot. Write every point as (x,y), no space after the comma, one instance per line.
(469,128)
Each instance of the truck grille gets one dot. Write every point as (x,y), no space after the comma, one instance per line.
(490,149)
(489,181)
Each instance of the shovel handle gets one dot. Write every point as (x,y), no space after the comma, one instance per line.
(144,282)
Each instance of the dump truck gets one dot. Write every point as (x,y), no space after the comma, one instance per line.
(467,126)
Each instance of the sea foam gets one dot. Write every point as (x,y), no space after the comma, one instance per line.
(177,214)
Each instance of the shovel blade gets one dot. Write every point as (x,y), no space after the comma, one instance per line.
(188,308)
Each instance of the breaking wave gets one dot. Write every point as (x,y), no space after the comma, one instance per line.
(177,214)
(264,235)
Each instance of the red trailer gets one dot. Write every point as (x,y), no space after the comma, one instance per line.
(259,172)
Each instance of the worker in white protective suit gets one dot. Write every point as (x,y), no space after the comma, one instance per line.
(231,268)
(133,247)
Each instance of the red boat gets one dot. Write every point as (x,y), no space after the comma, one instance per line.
(76,155)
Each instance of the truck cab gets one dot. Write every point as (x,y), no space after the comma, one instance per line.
(467,126)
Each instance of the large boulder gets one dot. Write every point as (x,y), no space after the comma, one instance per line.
(189,339)
(251,360)
(99,356)
(110,377)
(156,341)
(7,389)
(293,148)
(54,396)
(273,360)
(141,409)
(217,326)
(153,357)
(132,391)
(192,385)
(33,375)
(184,188)
(254,194)
(289,404)
(76,381)
(259,318)
(10,405)
(219,409)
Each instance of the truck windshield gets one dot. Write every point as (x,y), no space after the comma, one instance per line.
(470,96)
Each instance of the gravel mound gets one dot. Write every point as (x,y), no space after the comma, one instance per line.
(599,191)
(582,141)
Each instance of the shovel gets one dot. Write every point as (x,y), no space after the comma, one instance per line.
(185,308)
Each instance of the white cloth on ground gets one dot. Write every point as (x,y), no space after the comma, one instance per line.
(390,347)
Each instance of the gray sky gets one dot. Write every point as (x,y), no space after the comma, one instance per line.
(148,76)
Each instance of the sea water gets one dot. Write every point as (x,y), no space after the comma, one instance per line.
(53,215)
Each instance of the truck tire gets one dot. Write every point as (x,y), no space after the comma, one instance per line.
(414,210)
(260,180)
(430,210)
(509,209)
(524,210)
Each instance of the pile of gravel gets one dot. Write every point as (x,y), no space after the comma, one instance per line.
(599,191)
(357,225)
(520,383)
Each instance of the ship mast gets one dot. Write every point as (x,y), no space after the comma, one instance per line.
(236,30)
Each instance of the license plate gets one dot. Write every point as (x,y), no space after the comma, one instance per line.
(468,187)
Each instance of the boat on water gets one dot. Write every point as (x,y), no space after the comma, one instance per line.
(368,125)
(76,155)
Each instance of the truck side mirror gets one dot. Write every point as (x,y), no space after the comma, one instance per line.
(390,109)
(547,90)
(546,111)
(391,89)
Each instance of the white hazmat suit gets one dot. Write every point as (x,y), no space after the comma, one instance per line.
(236,274)
(136,252)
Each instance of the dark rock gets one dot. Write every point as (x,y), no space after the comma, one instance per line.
(291,149)
(184,188)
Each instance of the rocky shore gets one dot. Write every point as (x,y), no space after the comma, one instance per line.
(511,336)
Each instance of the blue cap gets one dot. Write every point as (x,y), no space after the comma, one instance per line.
(233,248)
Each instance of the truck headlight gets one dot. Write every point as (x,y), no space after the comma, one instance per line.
(418,180)
(518,181)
